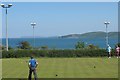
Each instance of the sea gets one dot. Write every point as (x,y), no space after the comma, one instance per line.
(60,43)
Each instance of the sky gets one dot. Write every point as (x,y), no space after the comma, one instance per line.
(59,18)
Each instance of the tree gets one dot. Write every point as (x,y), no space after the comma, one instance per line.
(44,47)
(80,45)
(24,45)
(91,46)
(9,47)
(2,47)
(118,44)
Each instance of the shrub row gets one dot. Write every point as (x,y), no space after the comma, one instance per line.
(56,53)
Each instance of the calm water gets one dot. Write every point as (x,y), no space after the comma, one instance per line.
(58,43)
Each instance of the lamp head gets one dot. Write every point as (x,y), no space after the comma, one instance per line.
(2,5)
(106,22)
(6,6)
(9,5)
(33,24)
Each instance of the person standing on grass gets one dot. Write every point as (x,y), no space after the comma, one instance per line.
(109,51)
(118,51)
(32,68)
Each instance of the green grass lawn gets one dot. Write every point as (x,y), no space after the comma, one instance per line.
(63,67)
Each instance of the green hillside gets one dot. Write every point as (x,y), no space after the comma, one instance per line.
(92,35)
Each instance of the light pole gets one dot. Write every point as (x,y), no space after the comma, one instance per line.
(33,25)
(106,25)
(6,6)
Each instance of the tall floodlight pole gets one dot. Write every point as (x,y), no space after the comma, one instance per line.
(6,7)
(33,25)
(106,25)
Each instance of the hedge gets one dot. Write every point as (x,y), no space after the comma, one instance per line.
(56,53)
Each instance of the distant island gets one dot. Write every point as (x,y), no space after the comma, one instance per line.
(92,35)
(84,35)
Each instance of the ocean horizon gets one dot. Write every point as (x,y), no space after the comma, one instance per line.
(61,43)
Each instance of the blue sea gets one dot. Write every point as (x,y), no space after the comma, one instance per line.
(61,43)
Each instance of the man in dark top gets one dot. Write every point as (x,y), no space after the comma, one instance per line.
(32,68)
